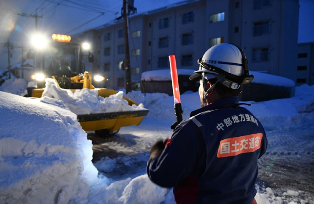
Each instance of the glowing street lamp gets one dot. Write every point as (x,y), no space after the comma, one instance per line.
(86,46)
(39,42)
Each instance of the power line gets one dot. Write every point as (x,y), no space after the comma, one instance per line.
(85,23)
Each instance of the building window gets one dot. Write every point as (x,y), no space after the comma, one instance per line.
(302,68)
(136,34)
(215,41)
(261,28)
(301,80)
(121,49)
(136,86)
(259,4)
(188,17)
(121,33)
(107,66)
(217,17)
(302,55)
(163,62)
(135,70)
(163,23)
(120,82)
(237,4)
(107,36)
(260,54)
(187,60)
(136,52)
(236,29)
(163,42)
(107,51)
(187,39)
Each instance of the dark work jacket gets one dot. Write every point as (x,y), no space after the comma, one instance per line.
(212,156)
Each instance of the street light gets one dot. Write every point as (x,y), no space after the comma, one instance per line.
(39,41)
(86,46)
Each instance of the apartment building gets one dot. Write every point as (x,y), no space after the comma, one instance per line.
(266,30)
(305,64)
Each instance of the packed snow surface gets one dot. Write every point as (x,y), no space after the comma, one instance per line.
(46,156)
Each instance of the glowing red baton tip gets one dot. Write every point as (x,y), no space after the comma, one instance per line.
(174,77)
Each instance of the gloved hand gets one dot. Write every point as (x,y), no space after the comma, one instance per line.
(157,148)
(174,125)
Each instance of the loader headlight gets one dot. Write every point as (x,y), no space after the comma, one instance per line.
(38,77)
(99,78)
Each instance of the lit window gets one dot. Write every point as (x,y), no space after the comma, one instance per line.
(187,39)
(121,49)
(261,28)
(107,36)
(188,17)
(302,55)
(107,51)
(187,60)
(136,86)
(260,54)
(136,52)
(136,34)
(163,42)
(107,66)
(135,70)
(163,62)
(217,17)
(163,23)
(121,33)
(215,41)
(259,4)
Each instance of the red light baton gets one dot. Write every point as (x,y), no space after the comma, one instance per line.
(175,88)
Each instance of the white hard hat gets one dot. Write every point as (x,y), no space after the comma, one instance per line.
(226,60)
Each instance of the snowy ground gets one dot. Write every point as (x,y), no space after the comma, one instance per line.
(46,156)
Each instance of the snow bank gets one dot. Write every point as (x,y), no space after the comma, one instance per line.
(45,154)
(87,101)
(262,78)
(14,86)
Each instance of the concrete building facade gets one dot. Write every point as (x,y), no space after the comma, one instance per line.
(305,64)
(266,30)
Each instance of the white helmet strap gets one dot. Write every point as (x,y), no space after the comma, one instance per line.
(219,79)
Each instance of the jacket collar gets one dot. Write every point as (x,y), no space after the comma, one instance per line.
(227,102)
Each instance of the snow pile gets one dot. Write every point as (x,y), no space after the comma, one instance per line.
(14,86)
(129,191)
(87,101)
(164,74)
(45,154)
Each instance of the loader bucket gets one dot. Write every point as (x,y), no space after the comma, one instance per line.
(109,121)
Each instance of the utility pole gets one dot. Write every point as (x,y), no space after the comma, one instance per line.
(36,16)
(22,65)
(32,16)
(128,86)
(9,46)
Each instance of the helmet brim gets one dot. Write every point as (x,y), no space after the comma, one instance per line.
(198,75)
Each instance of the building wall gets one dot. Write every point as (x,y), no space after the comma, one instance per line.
(305,64)
(272,51)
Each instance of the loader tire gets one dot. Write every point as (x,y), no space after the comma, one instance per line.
(105,133)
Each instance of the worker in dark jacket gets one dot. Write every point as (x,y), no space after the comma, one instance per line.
(212,156)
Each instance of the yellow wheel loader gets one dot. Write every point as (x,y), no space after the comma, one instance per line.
(60,56)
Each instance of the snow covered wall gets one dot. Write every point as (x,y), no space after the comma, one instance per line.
(56,156)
